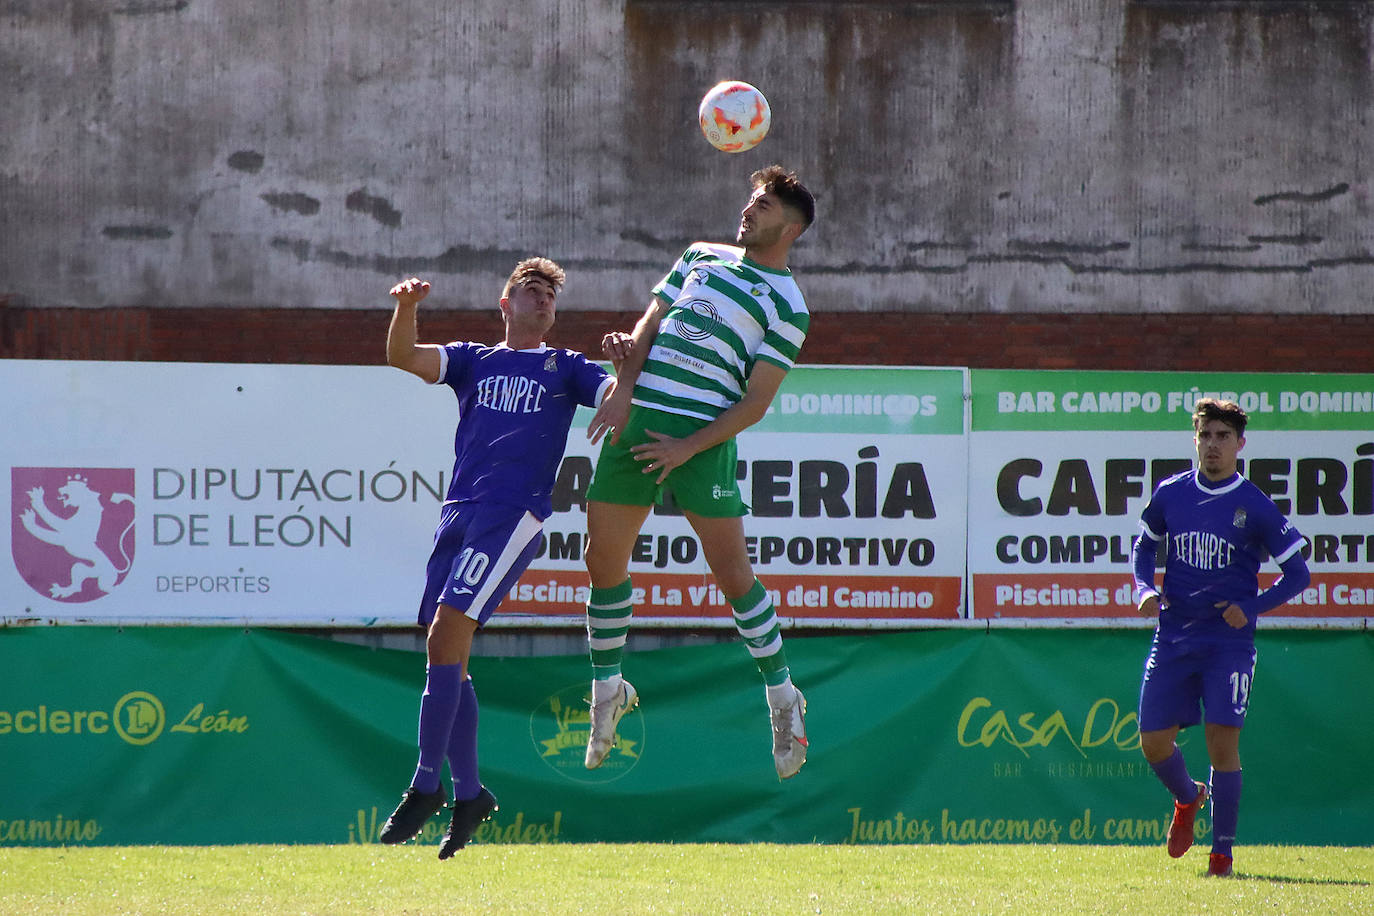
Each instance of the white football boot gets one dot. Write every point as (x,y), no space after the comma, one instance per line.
(789,735)
(606,716)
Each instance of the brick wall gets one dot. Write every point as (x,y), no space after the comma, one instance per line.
(1249,342)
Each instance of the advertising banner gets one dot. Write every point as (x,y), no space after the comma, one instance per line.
(218,493)
(168,492)
(1062,464)
(856,481)
(153,735)
(308,495)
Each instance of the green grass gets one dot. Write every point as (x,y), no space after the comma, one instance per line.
(686,879)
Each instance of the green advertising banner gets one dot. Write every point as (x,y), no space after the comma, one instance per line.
(1061,465)
(187,736)
(1038,400)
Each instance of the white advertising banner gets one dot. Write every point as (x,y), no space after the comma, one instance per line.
(856,481)
(220,492)
(1063,463)
(308,495)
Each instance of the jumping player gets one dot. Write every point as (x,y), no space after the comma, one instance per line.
(516,401)
(719,336)
(1219,529)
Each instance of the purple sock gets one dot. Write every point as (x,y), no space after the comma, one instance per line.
(438,709)
(1173,772)
(1225,809)
(462,746)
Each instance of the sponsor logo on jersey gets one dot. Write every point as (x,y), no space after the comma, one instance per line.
(696,320)
(1202,550)
(510,394)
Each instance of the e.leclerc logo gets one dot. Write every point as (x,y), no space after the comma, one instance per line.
(560,727)
(138,718)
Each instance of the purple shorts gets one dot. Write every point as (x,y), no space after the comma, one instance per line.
(480,552)
(1185,677)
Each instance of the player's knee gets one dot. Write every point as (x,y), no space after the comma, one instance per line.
(1156,746)
(605,568)
(732,572)
(449,636)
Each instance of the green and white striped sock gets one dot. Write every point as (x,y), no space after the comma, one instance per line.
(608,621)
(757,623)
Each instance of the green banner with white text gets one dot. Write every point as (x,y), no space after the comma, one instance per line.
(189,736)
(1061,464)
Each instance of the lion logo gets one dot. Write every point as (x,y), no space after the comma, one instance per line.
(77,546)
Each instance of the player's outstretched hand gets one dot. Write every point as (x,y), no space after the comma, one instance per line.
(1232,614)
(409,292)
(610,417)
(616,346)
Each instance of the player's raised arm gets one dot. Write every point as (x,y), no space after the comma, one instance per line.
(610,417)
(402,351)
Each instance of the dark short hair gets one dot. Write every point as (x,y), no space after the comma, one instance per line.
(1228,412)
(784,185)
(535,267)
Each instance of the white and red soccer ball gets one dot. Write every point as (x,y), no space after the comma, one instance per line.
(734,116)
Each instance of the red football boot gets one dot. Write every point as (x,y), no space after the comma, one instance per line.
(1180,836)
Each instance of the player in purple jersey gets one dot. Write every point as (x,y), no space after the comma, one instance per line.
(516,402)
(1218,529)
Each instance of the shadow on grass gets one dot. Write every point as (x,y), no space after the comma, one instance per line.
(1284,879)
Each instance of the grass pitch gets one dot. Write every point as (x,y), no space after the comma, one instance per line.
(677,879)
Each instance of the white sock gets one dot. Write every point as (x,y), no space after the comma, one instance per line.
(607,689)
(781,695)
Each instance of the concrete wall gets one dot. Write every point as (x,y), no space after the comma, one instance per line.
(1041,156)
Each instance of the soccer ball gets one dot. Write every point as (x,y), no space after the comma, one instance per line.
(734,116)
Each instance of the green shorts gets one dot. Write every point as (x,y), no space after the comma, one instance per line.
(705,485)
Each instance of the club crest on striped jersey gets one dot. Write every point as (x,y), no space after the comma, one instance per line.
(698,274)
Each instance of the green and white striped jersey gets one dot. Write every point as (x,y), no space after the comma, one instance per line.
(726,313)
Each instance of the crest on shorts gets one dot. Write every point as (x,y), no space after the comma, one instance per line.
(1238,519)
(72,530)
